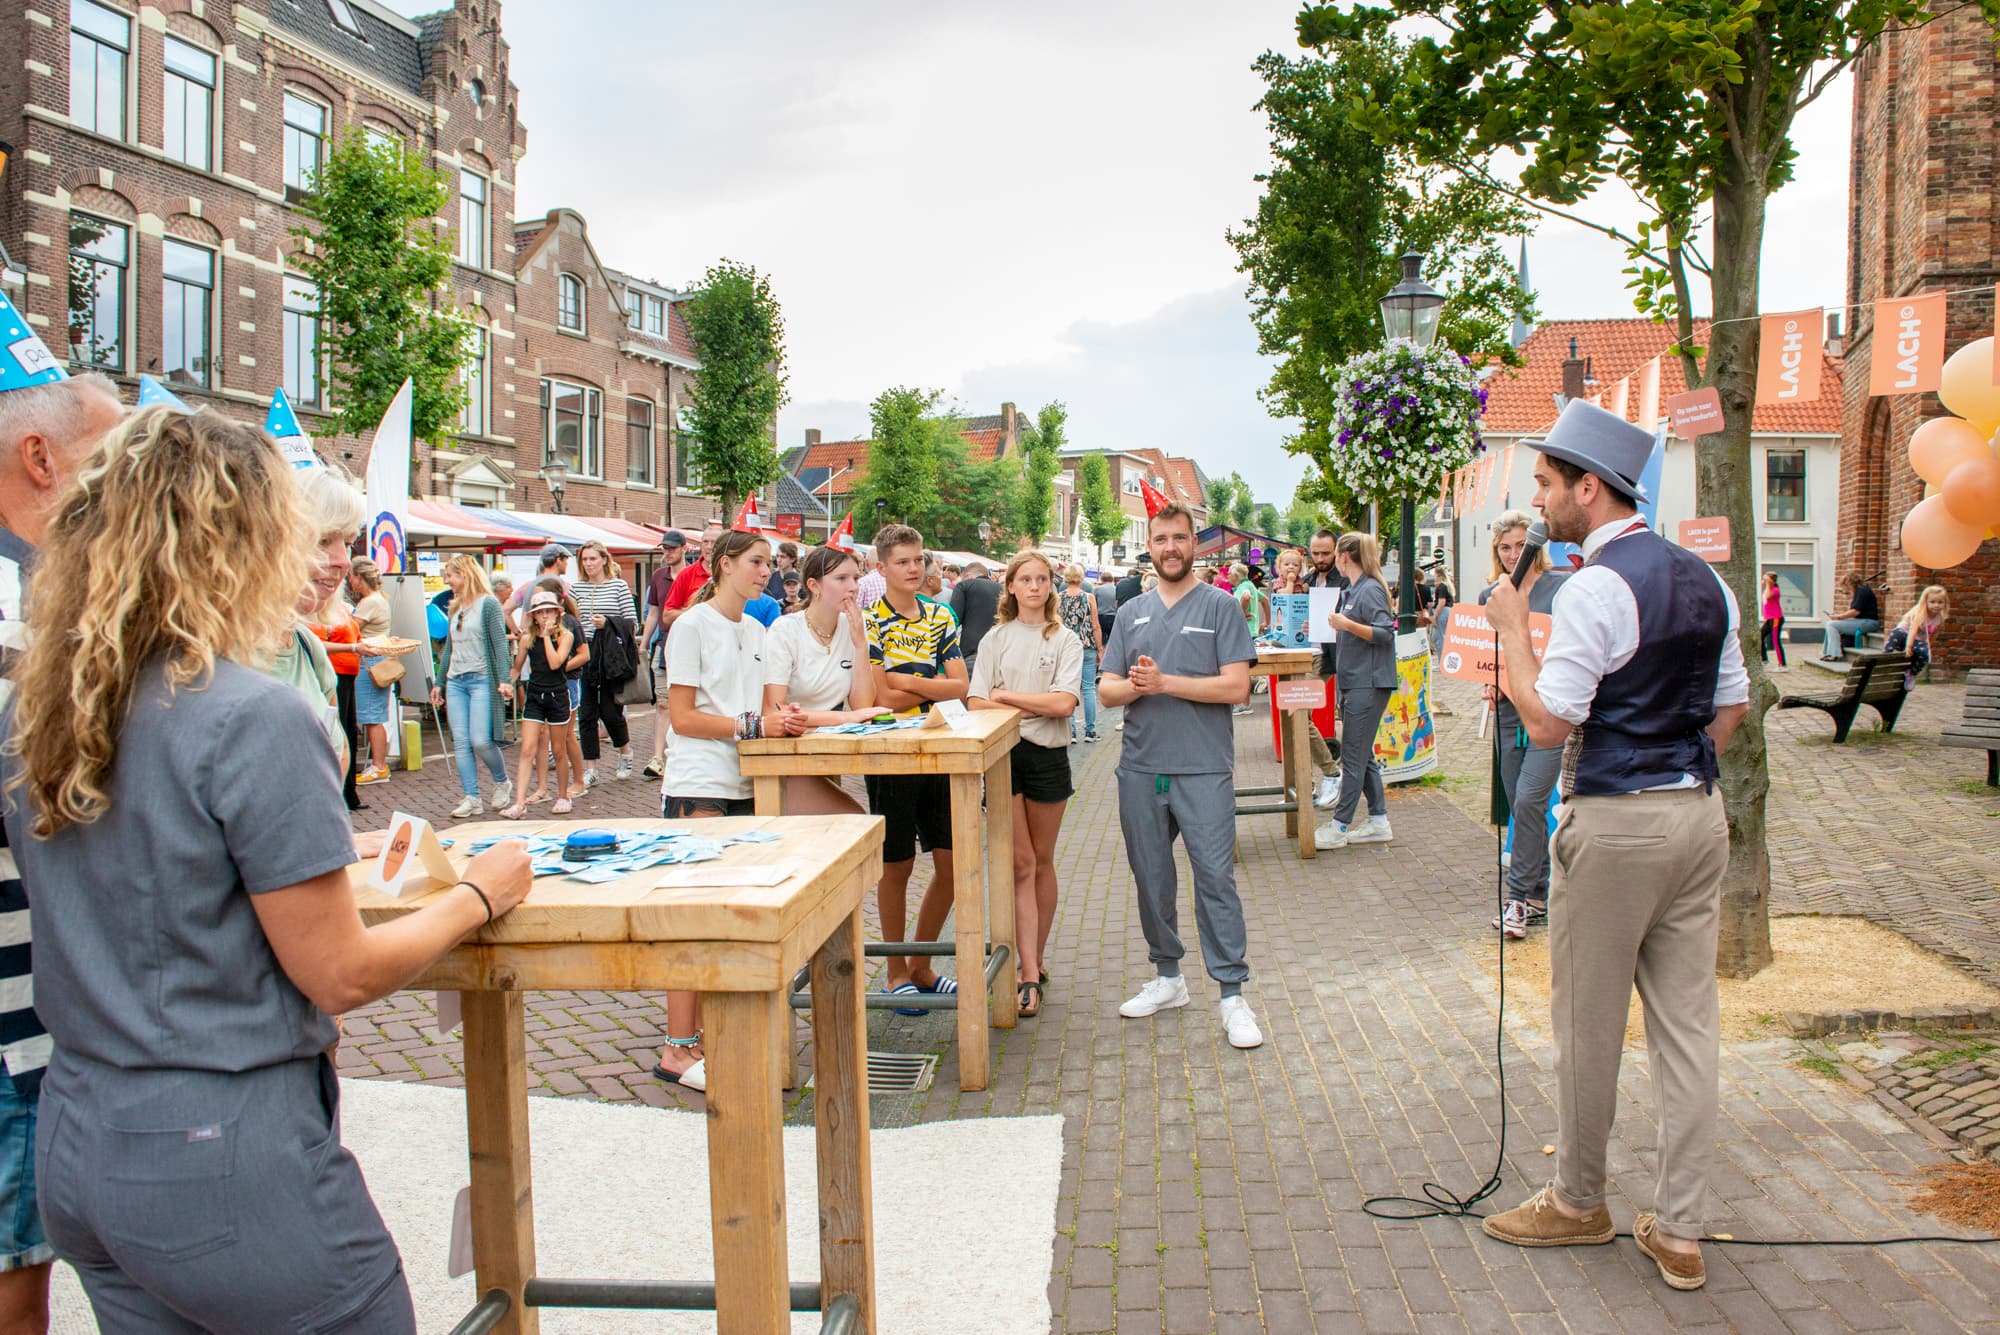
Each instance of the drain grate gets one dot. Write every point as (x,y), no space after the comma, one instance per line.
(898,1072)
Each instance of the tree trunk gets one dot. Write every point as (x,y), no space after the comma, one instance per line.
(1725,486)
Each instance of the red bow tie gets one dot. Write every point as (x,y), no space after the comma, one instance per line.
(1575,561)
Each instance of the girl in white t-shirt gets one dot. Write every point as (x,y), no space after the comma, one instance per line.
(817,660)
(1029,661)
(715,688)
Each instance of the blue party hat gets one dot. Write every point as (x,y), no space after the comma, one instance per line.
(281,421)
(153,394)
(24,359)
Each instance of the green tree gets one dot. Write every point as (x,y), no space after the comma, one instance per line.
(905,458)
(372,248)
(1338,210)
(1242,505)
(1690,105)
(1222,497)
(1268,521)
(1103,514)
(972,490)
(1042,444)
(739,332)
(1308,513)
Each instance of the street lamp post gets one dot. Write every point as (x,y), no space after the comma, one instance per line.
(1410,313)
(556,474)
(985,536)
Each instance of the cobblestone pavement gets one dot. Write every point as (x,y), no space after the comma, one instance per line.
(1206,1189)
(1951,1081)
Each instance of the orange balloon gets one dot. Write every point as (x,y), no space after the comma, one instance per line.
(1986,427)
(1942,444)
(1972,492)
(1935,540)
(1966,384)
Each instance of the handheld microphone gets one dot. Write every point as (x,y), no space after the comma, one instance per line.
(1537,538)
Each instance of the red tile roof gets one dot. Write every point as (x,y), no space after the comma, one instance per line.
(678,337)
(836,453)
(1522,401)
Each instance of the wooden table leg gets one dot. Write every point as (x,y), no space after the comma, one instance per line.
(1300,745)
(496,1133)
(746,1164)
(1005,1001)
(768,794)
(840,1119)
(1288,770)
(970,888)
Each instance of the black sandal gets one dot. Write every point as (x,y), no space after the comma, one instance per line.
(1028,1002)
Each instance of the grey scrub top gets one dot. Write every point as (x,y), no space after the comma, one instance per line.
(148,951)
(1364,664)
(1196,637)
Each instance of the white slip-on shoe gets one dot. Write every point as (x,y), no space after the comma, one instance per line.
(1330,835)
(625,763)
(696,1076)
(1159,994)
(1239,1024)
(1374,830)
(471,806)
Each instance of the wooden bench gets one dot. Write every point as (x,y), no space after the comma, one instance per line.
(1875,680)
(1980,728)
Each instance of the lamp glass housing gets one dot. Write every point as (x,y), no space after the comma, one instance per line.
(1411,309)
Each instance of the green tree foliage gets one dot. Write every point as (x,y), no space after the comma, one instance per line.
(1338,210)
(1308,512)
(921,470)
(1103,514)
(1689,104)
(1222,497)
(732,413)
(372,248)
(1042,443)
(1269,523)
(1242,505)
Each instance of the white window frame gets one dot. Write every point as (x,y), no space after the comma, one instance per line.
(642,456)
(304,376)
(588,459)
(297,177)
(83,353)
(565,284)
(475,219)
(191,90)
(476,418)
(98,44)
(1804,496)
(196,371)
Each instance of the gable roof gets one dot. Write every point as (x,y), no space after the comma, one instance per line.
(1522,401)
(389,48)
(982,437)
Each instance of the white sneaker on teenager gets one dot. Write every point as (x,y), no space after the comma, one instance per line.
(471,806)
(1330,836)
(503,795)
(625,763)
(1239,1024)
(1327,795)
(1159,994)
(590,777)
(1375,830)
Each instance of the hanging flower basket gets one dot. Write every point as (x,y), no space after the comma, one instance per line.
(1403,418)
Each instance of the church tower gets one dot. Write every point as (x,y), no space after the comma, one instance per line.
(1924,215)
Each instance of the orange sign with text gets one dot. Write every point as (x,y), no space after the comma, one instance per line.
(1706,538)
(1908,345)
(1300,694)
(1696,413)
(1471,649)
(1788,357)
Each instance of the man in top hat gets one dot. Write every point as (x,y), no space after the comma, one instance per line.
(48,425)
(1642,684)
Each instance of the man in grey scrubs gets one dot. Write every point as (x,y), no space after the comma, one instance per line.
(1178,659)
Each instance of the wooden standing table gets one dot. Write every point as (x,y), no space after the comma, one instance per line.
(739,947)
(1294,790)
(980,748)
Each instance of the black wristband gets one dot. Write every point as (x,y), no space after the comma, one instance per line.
(482,898)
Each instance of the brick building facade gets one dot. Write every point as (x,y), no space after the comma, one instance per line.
(159,148)
(1924,216)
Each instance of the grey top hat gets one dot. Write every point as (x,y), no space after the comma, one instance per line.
(1600,442)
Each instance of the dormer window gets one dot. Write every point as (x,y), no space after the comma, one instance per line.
(343,15)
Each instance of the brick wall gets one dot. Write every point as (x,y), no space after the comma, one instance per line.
(1925,215)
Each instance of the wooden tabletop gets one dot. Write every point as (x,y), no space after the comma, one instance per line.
(983,730)
(825,852)
(1286,660)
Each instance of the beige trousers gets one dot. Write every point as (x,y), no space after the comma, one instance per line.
(1634,899)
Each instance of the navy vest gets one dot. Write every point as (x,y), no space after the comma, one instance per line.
(1646,725)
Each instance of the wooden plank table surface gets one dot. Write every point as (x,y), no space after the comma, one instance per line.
(737,945)
(1295,752)
(980,748)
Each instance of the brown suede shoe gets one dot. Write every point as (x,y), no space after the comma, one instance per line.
(1683,1272)
(1536,1222)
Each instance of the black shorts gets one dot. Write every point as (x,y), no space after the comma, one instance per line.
(545,704)
(1041,773)
(703,808)
(916,809)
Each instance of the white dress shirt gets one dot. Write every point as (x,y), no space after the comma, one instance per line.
(1596,632)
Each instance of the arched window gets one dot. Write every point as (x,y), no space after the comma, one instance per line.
(569,302)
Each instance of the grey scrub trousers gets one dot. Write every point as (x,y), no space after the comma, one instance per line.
(188,1152)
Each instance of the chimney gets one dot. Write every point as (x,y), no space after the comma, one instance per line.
(1010,427)
(812,436)
(1573,373)
(1836,333)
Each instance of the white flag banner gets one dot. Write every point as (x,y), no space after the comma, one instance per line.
(388,486)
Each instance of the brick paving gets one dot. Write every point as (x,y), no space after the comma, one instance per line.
(1205,1189)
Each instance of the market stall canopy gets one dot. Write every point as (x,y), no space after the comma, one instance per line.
(442,524)
(1218,536)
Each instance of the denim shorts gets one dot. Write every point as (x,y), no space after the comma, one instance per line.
(21,1240)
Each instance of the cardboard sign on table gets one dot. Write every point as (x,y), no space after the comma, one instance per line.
(1706,538)
(412,861)
(947,714)
(1471,650)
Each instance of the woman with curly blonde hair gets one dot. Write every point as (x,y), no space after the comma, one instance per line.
(189,808)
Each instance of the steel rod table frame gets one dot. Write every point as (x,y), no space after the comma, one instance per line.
(745,983)
(1294,757)
(980,750)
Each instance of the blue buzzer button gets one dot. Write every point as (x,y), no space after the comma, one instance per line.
(584,845)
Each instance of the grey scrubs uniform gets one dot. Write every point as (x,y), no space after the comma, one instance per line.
(1177,776)
(189,1157)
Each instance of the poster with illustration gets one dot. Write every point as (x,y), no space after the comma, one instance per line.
(1288,619)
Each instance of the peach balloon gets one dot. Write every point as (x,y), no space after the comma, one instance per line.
(1936,541)
(1942,444)
(1972,492)
(1967,386)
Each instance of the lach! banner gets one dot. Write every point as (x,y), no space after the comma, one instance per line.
(1908,344)
(1471,649)
(1788,357)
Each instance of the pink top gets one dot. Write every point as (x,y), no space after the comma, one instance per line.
(1774,603)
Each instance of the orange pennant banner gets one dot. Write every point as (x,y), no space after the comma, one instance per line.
(1788,357)
(1996,334)
(1908,345)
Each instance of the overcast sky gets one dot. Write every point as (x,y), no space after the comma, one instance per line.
(1022,202)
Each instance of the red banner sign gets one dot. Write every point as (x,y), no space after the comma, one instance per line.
(792,526)
(1696,413)
(1908,341)
(1788,357)
(1706,538)
(1472,649)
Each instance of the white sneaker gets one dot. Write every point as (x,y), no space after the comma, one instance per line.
(1159,994)
(696,1076)
(1513,921)
(1375,830)
(590,777)
(625,764)
(1327,795)
(1330,835)
(503,795)
(1240,1024)
(471,806)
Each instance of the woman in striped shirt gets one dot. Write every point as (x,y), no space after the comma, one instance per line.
(602,593)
